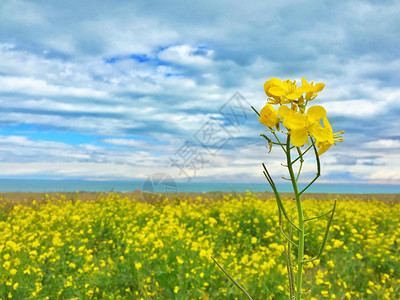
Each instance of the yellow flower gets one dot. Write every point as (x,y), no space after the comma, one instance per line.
(271,83)
(302,125)
(325,137)
(6,265)
(292,120)
(72,265)
(138,265)
(282,90)
(268,116)
(324,146)
(311,90)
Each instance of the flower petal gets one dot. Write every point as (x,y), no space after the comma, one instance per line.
(277,91)
(321,134)
(305,88)
(284,111)
(295,95)
(315,113)
(323,147)
(270,83)
(318,87)
(268,115)
(291,119)
(298,137)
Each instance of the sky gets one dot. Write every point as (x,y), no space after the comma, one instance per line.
(121,90)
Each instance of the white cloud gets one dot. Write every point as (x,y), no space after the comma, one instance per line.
(49,105)
(187,55)
(136,34)
(72,170)
(125,142)
(32,86)
(353,108)
(383,144)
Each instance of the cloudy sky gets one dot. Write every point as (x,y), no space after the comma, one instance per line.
(124,89)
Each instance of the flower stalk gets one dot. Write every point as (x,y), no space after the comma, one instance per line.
(301,126)
(300,250)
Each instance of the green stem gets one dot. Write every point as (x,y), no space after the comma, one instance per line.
(233,280)
(277,196)
(301,163)
(300,251)
(289,265)
(328,226)
(317,217)
(289,239)
(270,141)
(318,168)
(303,154)
(283,148)
(255,110)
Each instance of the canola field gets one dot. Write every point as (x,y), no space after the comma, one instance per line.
(120,248)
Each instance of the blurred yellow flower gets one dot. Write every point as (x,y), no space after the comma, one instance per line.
(72,265)
(138,265)
(142,225)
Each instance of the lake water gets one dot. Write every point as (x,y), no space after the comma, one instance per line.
(170,186)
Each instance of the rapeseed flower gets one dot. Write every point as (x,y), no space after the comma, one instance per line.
(300,124)
(303,125)
(269,116)
(182,229)
(282,91)
(310,89)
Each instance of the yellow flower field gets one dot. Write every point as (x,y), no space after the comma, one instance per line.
(119,248)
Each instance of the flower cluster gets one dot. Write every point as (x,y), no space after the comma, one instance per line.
(292,101)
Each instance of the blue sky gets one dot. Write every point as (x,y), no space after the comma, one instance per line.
(124,89)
